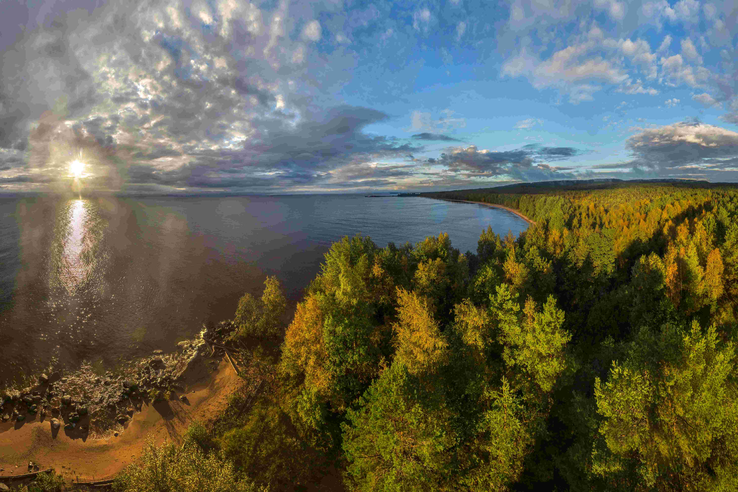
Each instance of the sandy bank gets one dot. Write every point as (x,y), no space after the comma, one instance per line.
(493,205)
(206,390)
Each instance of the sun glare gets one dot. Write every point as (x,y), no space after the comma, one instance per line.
(76,168)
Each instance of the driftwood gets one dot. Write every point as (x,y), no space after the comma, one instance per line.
(214,345)
(233,364)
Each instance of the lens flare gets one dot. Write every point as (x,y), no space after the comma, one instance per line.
(76,168)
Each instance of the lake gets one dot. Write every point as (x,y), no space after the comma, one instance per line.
(100,279)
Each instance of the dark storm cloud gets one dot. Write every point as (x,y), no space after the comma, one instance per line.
(434,137)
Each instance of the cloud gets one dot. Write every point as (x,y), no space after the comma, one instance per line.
(637,88)
(670,103)
(312,31)
(677,71)
(688,147)
(586,66)
(690,51)
(615,9)
(684,11)
(706,99)
(424,122)
(421,19)
(434,137)
(528,163)
(527,124)
(460,30)
(201,96)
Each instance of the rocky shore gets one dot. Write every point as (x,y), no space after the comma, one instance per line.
(86,404)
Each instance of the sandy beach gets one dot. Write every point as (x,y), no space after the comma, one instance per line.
(206,390)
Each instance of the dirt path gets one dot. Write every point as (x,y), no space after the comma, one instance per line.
(96,459)
(493,205)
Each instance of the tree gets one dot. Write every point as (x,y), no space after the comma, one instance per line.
(670,411)
(714,276)
(420,344)
(261,318)
(399,437)
(533,342)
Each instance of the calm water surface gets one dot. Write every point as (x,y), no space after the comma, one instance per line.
(102,279)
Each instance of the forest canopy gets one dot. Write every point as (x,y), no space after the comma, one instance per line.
(594,351)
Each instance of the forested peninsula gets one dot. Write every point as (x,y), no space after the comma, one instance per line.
(596,351)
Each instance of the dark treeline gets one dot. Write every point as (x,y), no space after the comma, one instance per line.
(593,352)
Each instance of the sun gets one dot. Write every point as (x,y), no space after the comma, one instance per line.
(76,168)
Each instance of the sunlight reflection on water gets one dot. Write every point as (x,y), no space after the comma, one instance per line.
(74,269)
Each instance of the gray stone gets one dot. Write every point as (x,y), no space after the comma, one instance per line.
(55,424)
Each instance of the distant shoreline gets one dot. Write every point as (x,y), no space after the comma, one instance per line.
(493,205)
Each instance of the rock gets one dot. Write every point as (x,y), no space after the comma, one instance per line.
(55,424)
(122,419)
(116,434)
(43,379)
(4,487)
(6,417)
(66,400)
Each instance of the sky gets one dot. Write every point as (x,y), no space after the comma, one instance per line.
(347,96)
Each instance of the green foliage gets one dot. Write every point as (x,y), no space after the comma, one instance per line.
(568,358)
(186,468)
(399,437)
(45,482)
(270,452)
(675,421)
(533,340)
(258,319)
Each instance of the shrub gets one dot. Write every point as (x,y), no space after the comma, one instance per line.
(186,468)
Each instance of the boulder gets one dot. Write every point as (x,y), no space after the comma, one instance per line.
(55,424)
(43,379)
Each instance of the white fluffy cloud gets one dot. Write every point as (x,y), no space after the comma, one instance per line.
(527,124)
(312,31)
